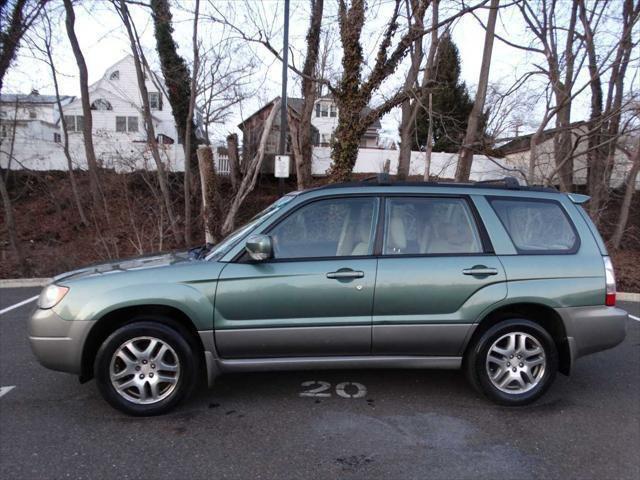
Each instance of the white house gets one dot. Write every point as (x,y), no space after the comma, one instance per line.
(118,126)
(28,123)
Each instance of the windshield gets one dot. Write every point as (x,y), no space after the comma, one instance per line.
(225,245)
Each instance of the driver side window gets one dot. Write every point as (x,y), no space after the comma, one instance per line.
(336,227)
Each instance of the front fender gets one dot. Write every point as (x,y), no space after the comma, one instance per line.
(193,302)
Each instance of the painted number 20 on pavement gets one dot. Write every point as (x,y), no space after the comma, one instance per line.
(320,389)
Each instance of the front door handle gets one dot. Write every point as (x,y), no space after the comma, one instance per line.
(340,274)
(480,270)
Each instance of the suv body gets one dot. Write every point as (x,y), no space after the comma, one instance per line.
(510,283)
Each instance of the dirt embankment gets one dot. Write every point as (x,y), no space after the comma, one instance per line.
(54,240)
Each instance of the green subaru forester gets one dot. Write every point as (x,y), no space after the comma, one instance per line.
(510,283)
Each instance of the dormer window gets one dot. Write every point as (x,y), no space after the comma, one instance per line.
(333,111)
(322,110)
(101,104)
(115,75)
(155,101)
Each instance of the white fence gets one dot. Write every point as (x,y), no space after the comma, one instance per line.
(371,160)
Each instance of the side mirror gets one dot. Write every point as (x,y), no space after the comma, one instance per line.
(259,247)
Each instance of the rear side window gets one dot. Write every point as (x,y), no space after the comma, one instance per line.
(430,226)
(536,226)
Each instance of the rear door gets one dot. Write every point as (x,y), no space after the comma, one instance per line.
(436,274)
(315,296)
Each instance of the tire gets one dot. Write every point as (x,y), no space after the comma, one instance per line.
(516,380)
(159,377)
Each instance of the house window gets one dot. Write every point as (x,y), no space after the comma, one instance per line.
(57,138)
(5,131)
(132,124)
(75,123)
(101,104)
(155,101)
(115,75)
(333,111)
(126,124)
(324,109)
(121,124)
(32,114)
(317,109)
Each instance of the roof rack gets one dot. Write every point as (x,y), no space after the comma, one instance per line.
(383,179)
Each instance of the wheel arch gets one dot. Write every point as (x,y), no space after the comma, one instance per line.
(167,315)
(543,315)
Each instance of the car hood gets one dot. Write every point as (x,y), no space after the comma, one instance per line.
(136,263)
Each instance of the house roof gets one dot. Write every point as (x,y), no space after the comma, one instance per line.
(296,103)
(523,142)
(32,98)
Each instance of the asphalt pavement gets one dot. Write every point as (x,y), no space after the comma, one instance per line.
(358,423)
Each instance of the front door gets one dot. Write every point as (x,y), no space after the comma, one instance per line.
(435,276)
(314,297)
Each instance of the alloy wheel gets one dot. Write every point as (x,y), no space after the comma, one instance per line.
(516,363)
(144,370)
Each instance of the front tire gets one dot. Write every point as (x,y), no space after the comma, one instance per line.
(145,368)
(512,363)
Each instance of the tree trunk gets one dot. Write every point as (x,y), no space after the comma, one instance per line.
(234,161)
(625,207)
(429,145)
(188,146)
(305,149)
(465,160)
(208,187)
(87,131)
(148,121)
(10,223)
(251,174)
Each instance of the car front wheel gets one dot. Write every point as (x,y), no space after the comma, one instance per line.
(513,363)
(145,368)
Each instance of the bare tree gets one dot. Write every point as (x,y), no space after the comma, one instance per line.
(87,128)
(123,11)
(251,173)
(209,188)
(606,110)
(47,49)
(629,189)
(421,96)
(14,25)
(465,159)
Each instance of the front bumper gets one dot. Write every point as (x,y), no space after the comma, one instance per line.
(57,343)
(592,329)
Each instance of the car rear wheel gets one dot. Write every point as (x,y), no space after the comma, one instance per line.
(145,368)
(513,363)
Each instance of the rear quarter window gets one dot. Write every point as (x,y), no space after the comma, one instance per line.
(536,226)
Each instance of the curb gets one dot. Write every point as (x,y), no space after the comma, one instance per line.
(23,282)
(628,297)
(41,282)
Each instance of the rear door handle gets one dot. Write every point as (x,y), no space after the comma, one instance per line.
(480,271)
(345,274)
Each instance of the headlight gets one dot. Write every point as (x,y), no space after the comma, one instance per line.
(51,296)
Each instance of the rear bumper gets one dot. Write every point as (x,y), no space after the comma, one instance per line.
(592,329)
(57,343)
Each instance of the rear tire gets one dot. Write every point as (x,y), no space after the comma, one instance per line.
(512,363)
(145,368)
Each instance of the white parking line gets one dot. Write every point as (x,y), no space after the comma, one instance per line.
(633,317)
(5,390)
(17,305)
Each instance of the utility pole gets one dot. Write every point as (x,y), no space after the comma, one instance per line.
(283,102)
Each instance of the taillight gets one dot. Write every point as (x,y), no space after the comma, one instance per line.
(610,280)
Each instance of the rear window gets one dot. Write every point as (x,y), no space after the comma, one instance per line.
(536,226)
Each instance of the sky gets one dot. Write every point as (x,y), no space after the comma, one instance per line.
(103,42)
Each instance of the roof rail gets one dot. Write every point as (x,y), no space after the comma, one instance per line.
(511,183)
